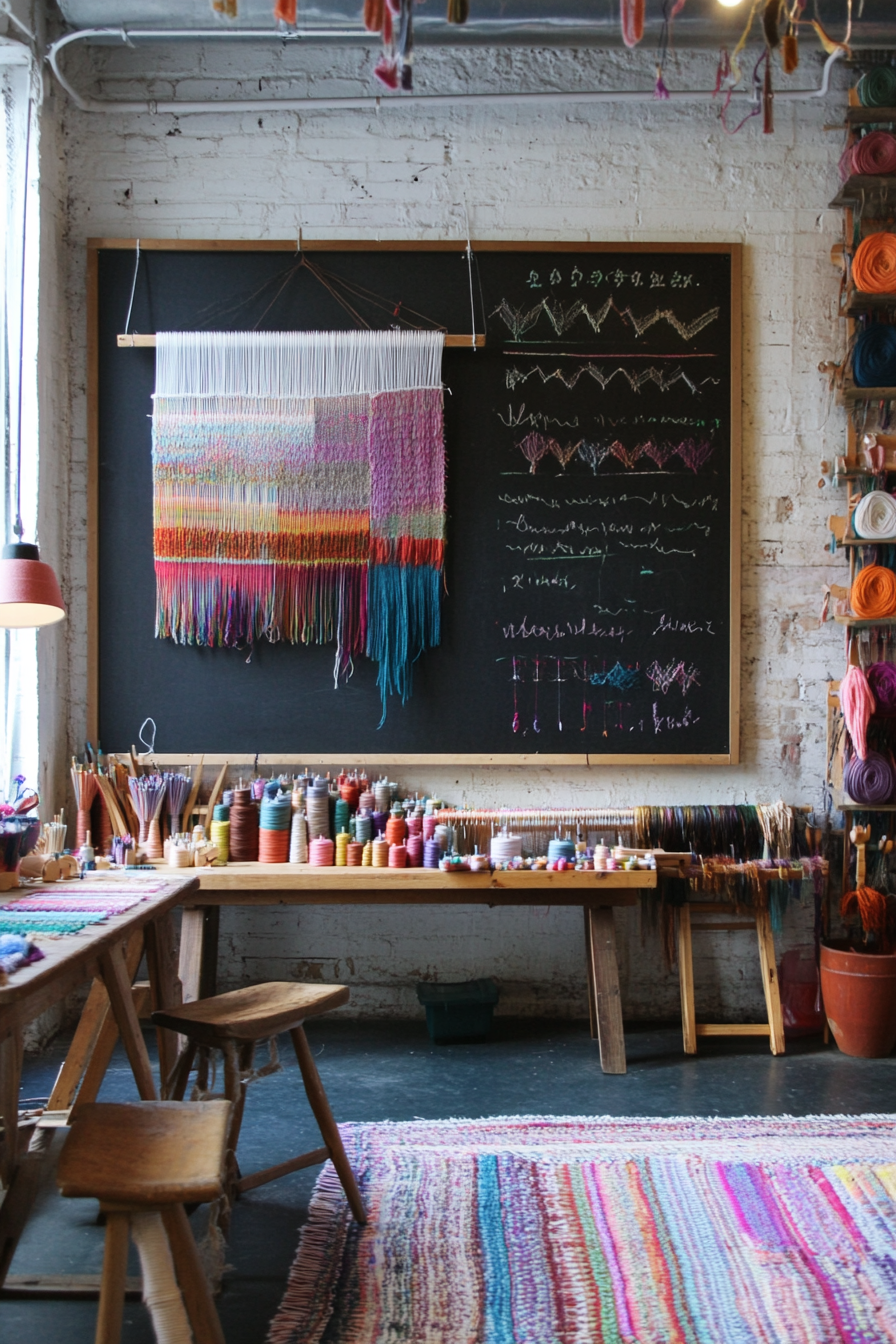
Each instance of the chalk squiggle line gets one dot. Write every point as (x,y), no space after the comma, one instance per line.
(664,678)
(623,678)
(694,453)
(635,380)
(518,320)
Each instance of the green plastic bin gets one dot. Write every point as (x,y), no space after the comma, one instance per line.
(457,1012)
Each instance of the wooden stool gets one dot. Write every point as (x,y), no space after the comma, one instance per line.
(761,923)
(235,1022)
(143,1162)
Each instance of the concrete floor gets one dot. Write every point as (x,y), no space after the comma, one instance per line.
(389,1070)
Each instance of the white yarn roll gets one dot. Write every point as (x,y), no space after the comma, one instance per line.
(504,847)
(875,517)
(160,1291)
(299,364)
(298,839)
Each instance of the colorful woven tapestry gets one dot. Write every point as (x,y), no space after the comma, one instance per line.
(299,492)
(592,1231)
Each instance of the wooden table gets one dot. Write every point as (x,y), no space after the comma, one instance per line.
(250,884)
(111,952)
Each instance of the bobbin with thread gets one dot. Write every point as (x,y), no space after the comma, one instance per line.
(380,847)
(298,839)
(396,829)
(432,853)
(398,856)
(220,833)
(415,851)
(367,855)
(429,826)
(320,852)
(342,843)
(363,826)
(354,854)
(414,824)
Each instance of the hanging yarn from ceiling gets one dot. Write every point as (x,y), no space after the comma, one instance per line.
(874,154)
(285,11)
(875,517)
(857,704)
(874,356)
(631,13)
(874,264)
(882,680)
(877,87)
(873,593)
(299,492)
(395,20)
(871,781)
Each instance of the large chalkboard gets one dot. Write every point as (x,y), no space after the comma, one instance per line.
(591,607)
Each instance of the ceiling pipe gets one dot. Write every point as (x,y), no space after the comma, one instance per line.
(360,101)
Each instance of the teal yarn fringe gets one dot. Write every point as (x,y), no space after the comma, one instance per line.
(403,620)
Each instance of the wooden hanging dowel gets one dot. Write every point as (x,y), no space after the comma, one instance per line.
(452,342)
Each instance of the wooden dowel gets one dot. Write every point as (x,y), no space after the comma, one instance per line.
(453,341)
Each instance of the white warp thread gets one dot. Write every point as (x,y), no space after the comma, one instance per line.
(299,364)
(160,1291)
(875,517)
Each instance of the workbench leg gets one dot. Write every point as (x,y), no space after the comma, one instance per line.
(93,1042)
(164,987)
(770,981)
(592,1005)
(198,966)
(686,981)
(12,1219)
(118,985)
(608,1006)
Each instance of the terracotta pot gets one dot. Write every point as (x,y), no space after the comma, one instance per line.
(859,993)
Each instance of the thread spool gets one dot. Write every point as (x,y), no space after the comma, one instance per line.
(445,836)
(380,848)
(561,849)
(180,856)
(153,846)
(298,839)
(342,841)
(221,837)
(398,856)
(429,826)
(367,801)
(257,787)
(227,797)
(415,851)
(383,795)
(379,822)
(349,793)
(432,853)
(396,829)
(101,826)
(415,824)
(367,855)
(505,847)
(320,852)
(317,808)
(341,815)
(363,827)
(275,814)
(354,854)
(243,827)
(273,846)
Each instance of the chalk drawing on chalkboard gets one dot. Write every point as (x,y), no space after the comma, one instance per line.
(664,678)
(664,381)
(519,321)
(694,453)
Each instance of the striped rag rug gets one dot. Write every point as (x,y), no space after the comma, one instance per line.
(635,1231)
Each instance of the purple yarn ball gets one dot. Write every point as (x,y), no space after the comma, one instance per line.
(870,782)
(882,680)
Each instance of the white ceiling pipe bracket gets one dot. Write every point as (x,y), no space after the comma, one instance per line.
(360,101)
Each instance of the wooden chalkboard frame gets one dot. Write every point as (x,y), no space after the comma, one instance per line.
(734,250)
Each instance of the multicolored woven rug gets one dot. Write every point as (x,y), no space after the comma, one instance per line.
(604,1231)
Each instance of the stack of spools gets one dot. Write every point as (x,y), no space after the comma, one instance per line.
(298,839)
(317,807)
(221,832)
(243,826)
(273,830)
(320,852)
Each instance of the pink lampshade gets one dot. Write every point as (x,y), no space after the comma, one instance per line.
(29,593)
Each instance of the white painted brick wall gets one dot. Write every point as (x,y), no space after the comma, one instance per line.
(623,172)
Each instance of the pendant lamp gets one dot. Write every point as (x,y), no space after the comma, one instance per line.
(29,592)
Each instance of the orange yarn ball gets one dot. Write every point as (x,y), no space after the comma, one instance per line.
(874,264)
(873,595)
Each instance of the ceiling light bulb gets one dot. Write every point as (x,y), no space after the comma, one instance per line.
(729,4)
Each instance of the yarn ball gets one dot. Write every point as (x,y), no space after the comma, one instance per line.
(873,594)
(870,782)
(874,264)
(877,87)
(882,680)
(874,356)
(858,704)
(875,154)
(875,516)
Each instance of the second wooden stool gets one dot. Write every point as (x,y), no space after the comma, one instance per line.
(235,1023)
(143,1162)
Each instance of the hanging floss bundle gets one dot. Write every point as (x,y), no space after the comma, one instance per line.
(857,704)
(299,493)
(875,516)
(148,795)
(874,356)
(873,593)
(178,789)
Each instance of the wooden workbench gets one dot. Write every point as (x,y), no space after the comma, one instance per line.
(110,951)
(250,884)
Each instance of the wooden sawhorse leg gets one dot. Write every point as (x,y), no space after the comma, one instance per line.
(604,1003)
